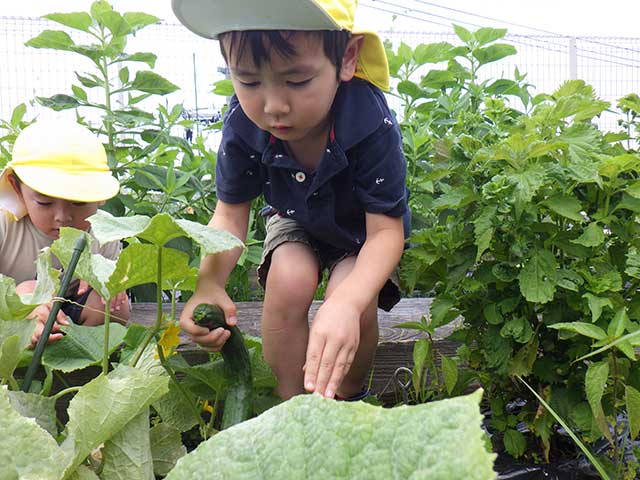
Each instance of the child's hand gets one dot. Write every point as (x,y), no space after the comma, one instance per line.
(210,340)
(83,287)
(333,342)
(117,302)
(41,314)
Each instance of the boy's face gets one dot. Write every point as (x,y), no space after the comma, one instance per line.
(48,214)
(289,98)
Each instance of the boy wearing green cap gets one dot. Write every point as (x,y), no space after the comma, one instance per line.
(58,177)
(310,129)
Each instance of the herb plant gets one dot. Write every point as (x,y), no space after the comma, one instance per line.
(530,233)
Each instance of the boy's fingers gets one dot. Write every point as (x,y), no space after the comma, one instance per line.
(214,340)
(55,337)
(61,318)
(325,370)
(340,369)
(312,363)
(82,287)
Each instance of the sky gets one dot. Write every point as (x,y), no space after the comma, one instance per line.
(565,17)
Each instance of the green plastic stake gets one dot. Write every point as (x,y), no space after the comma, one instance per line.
(78,247)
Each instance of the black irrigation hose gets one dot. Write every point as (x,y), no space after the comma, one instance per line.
(78,247)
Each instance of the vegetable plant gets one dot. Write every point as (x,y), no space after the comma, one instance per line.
(110,414)
(160,172)
(529,232)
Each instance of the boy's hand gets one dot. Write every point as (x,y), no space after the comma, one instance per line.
(117,301)
(333,342)
(41,314)
(210,340)
(83,287)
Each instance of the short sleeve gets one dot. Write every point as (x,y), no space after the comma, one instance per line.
(238,174)
(381,172)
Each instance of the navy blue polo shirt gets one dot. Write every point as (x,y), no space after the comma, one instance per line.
(363,169)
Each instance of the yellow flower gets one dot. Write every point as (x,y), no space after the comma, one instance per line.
(206,407)
(170,339)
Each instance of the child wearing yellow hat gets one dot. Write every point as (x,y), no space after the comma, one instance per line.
(310,129)
(58,177)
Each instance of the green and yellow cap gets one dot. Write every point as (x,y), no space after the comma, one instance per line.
(60,159)
(209,18)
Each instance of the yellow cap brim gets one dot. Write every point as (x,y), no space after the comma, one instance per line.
(94,187)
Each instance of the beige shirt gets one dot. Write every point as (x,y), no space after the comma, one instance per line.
(20,243)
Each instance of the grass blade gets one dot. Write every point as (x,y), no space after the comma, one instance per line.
(594,461)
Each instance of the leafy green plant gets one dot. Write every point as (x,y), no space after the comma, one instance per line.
(10,130)
(145,377)
(145,372)
(159,171)
(348,440)
(530,234)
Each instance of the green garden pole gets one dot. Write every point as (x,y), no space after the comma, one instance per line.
(78,247)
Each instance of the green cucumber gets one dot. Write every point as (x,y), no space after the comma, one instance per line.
(238,404)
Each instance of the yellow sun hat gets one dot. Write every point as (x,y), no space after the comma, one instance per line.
(209,18)
(60,159)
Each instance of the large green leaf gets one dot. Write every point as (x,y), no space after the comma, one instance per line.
(596,305)
(103,407)
(78,20)
(537,278)
(18,307)
(138,265)
(592,236)
(138,20)
(159,230)
(166,448)
(41,409)
(586,329)
(93,268)
(594,383)
(494,52)
(26,451)
(151,82)
(632,399)
(174,410)
(81,346)
(568,207)
(127,455)
(313,437)
(54,39)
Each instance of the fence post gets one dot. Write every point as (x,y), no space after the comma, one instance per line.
(573,59)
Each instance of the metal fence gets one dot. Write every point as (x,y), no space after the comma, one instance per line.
(611,65)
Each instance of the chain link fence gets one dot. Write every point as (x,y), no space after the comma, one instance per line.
(610,65)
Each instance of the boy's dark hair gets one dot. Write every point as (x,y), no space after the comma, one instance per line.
(262,43)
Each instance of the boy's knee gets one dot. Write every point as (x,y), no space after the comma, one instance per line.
(293,272)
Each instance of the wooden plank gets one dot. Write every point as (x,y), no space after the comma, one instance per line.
(250,313)
(395,347)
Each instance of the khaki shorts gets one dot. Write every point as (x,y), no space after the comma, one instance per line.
(281,230)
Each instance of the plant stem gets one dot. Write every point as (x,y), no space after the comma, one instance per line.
(13,383)
(104,67)
(156,328)
(107,321)
(187,396)
(64,392)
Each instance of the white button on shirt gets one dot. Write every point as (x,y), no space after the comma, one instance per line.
(301,177)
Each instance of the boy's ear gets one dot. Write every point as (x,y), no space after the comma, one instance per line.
(350,59)
(15,184)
